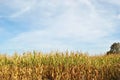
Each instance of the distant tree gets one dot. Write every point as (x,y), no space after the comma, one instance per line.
(114,49)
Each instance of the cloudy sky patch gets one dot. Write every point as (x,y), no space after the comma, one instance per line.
(86,25)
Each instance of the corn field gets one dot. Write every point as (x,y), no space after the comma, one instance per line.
(59,66)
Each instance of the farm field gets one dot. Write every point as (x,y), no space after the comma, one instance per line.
(62,29)
(59,66)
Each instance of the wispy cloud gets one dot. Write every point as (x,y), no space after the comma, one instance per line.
(19,13)
(62,24)
(16,7)
(116,2)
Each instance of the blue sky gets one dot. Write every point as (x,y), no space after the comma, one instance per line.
(44,25)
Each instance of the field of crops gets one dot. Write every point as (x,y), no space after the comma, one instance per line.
(59,66)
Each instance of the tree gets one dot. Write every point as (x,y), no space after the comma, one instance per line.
(114,49)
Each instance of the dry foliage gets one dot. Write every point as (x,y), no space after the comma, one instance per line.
(59,66)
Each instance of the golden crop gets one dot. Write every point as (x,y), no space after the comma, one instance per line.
(59,66)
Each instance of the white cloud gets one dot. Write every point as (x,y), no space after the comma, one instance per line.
(80,26)
(35,40)
(74,20)
(118,16)
(17,7)
(116,2)
(17,14)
